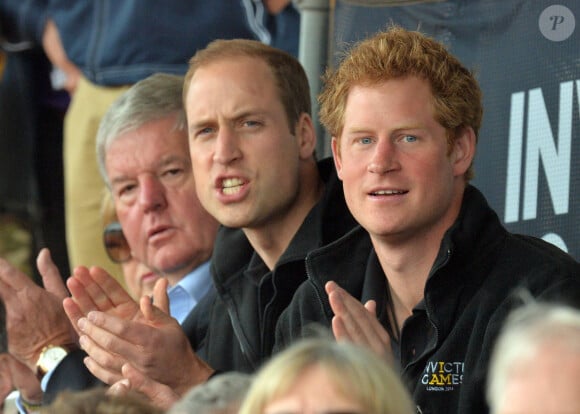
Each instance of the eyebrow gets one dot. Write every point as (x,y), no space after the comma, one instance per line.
(172,158)
(205,122)
(243,113)
(369,130)
(161,163)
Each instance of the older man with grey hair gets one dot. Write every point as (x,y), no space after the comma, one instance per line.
(535,367)
(144,154)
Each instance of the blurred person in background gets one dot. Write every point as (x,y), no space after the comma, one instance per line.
(222,394)
(31,172)
(535,365)
(98,401)
(323,376)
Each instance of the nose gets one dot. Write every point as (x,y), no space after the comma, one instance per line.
(152,193)
(384,157)
(227,147)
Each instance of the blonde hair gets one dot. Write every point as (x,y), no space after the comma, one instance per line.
(356,372)
(399,53)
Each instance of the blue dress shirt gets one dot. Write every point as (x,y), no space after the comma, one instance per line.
(189,291)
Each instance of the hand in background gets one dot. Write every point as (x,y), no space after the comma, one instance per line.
(56,54)
(276,6)
(34,315)
(14,375)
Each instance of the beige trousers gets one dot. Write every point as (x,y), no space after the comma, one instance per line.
(84,187)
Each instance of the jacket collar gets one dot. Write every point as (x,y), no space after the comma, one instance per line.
(328,220)
(459,269)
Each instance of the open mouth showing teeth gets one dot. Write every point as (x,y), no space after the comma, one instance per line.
(388,192)
(232,185)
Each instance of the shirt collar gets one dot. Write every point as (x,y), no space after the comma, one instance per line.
(186,294)
(197,283)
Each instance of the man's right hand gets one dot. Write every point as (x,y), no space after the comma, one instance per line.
(34,316)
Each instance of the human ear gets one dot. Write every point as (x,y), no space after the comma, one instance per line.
(463,151)
(306,136)
(334,144)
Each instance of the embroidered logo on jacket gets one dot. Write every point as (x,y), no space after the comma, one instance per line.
(442,376)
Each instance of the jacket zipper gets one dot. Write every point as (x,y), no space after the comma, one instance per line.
(239,332)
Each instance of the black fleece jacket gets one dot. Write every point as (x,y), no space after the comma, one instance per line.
(472,286)
(233,329)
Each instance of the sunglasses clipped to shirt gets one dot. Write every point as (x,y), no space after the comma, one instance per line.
(115,243)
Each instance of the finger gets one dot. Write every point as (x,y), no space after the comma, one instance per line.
(371,306)
(101,356)
(345,326)
(153,315)
(114,336)
(160,297)
(338,330)
(119,388)
(108,331)
(359,323)
(51,277)
(108,377)
(330,287)
(84,290)
(340,301)
(147,308)
(355,320)
(139,381)
(344,303)
(73,312)
(114,292)
(158,394)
